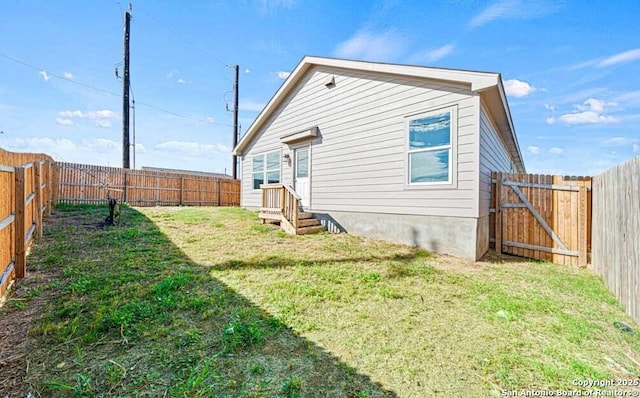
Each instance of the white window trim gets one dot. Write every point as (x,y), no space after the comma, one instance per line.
(266,170)
(452,182)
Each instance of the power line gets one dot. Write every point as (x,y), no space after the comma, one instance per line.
(181,36)
(57,75)
(54,74)
(179,115)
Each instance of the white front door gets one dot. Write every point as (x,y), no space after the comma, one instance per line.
(301,170)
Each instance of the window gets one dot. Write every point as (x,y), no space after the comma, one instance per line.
(430,149)
(266,169)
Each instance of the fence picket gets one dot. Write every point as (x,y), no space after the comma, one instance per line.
(616,232)
(144,188)
(542,217)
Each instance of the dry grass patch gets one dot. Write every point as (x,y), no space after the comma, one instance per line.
(422,324)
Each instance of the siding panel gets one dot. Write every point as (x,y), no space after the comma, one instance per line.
(493,157)
(358,163)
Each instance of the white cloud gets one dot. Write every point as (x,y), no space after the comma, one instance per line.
(192,148)
(556,150)
(68,75)
(103,114)
(595,105)
(626,56)
(64,122)
(550,120)
(210,120)
(533,149)
(365,45)
(591,111)
(587,117)
(436,54)
(43,144)
(549,107)
(181,81)
(518,88)
(140,148)
(282,74)
(513,9)
(628,98)
(636,148)
(603,62)
(250,105)
(92,115)
(247,70)
(89,151)
(45,75)
(103,123)
(70,114)
(101,145)
(495,11)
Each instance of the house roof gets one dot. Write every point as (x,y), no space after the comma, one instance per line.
(488,85)
(180,171)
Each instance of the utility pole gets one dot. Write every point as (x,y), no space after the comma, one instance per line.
(125,94)
(235,121)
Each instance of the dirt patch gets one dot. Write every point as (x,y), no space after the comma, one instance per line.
(22,306)
(18,313)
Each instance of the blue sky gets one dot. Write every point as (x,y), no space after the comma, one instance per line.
(571,70)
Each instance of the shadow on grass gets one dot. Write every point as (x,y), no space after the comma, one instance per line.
(491,256)
(131,314)
(274,261)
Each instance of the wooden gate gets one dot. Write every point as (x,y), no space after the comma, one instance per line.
(542,217)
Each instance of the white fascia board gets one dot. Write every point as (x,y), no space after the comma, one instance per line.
(478,80)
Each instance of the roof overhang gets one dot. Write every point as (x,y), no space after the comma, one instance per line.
(307,134)
(487,85)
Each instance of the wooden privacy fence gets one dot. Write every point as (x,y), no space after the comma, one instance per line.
(82,183)
(26,197)
(542,217)
(616,232)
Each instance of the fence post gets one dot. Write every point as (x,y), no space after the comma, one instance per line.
(37,206)
(498,193)
(219,193)
(56,182)
(582,226)
(181,189)
(19,222)
(124,189)
(49,190)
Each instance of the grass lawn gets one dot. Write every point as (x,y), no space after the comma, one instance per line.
(200,302)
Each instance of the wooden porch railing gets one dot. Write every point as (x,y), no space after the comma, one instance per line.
(281,203)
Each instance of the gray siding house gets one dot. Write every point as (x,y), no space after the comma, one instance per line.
(395,152)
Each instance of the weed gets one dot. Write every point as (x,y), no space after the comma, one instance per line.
(200,381)
(262,228)
(370,278)
(115,373)
(257,369)
(292,387)
(245,330)
(389,293)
